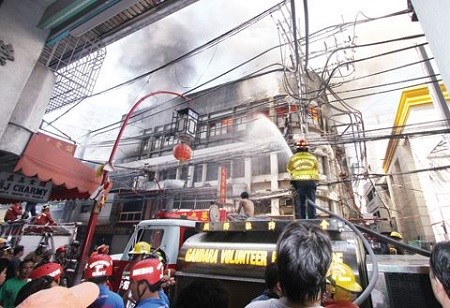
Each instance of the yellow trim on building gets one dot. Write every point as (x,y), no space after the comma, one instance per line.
(410,98)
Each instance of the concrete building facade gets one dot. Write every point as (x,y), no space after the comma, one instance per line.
(417,168)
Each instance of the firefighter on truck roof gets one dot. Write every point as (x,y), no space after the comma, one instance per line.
(303,167)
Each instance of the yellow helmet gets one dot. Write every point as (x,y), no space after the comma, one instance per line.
(140,248)
(396,234)
(341,275)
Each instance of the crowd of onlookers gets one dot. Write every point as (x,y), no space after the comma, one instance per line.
(303,276)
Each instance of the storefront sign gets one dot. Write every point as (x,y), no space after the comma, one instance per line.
(20,187)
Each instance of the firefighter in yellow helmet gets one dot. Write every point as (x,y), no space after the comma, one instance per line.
(342,287)
(393,250)
(304,169)
(141,250)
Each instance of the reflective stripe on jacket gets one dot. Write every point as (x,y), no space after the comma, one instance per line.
(303,166)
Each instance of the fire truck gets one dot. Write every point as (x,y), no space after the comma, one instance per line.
(166,233)
(237,253)
(202,244)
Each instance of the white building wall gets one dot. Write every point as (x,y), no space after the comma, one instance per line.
(18,20)
(433,17)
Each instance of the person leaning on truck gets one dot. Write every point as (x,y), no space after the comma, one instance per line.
(440,272)
(303,167)
(303,258)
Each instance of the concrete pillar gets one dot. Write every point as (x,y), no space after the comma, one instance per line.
(190,180)
(273,171)
(29,110)
(275,202)
(204,170)
(18,20)
(248,173)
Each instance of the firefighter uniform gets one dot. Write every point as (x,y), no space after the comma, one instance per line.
(303,167)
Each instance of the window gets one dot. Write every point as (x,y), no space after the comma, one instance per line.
(168,174)
(261,165)
(152,236)
(282,162)
(212,172)
(198,171)
(240,124)
(131,211)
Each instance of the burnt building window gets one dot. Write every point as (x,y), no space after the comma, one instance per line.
(168,174)
(131,211)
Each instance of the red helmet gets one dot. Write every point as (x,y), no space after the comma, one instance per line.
(302,143)
(61,249)
(51,269)
(103,249)
(150,270)
(99,266)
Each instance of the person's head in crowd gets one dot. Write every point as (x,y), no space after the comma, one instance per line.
(34,286)
(79,296)
(74,246)
(103,249)
(440,272)
(50,269)
(3,241)
(45,208)
(47,255)
(25,269)
(146,279)
(4,263)
(6,252)
(61,252)
(41,247)
(303,258)
(19,251)
(99,268)
(272,279)
(203,293)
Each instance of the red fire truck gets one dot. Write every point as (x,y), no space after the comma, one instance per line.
(166,233)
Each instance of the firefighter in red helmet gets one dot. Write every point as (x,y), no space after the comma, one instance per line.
(51,269)
(98,270)
(303,167)
(147,277)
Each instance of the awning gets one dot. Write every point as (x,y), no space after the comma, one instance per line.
(48,161)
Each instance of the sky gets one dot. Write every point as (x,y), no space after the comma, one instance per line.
(204,20)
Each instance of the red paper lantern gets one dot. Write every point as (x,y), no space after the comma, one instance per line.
(182,152)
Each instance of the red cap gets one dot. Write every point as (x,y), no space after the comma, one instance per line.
(103,249)
(61,249)
(150,270)
(99,266)
(51,269)
(302,143)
